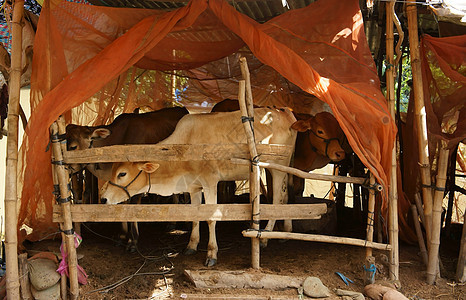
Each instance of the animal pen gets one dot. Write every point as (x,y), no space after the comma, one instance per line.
(89,60)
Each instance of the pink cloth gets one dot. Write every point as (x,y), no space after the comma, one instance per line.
(63,267)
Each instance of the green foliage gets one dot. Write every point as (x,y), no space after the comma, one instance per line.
(406,76)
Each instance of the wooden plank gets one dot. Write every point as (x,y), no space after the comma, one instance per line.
(173,153)
(187,212)
(316,238)
(302,174)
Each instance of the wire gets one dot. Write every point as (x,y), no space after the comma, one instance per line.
(98,234)
(414,2)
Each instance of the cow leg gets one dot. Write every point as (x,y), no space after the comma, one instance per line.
(280,196)
(196,199)
(130,231)
(212,248)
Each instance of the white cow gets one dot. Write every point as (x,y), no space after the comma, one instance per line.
(171,177)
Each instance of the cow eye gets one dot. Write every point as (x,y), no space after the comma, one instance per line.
(320,131)
(122,174)
(73,147)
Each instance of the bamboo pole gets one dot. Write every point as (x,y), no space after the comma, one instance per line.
(418,201)
(420,113)
(369,271)
(392,193)
(316,238)
(433,263)
(420,237)
(11,189)
(302,174)
(370,217)
(63,278)
(247,110)
(66,209)
(461,266)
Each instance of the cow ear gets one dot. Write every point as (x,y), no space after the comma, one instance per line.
(100,133)
(301,125)
(149,167)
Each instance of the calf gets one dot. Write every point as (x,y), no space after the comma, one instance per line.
(171,177)
(147,128)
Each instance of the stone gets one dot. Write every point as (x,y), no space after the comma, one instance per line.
(313,287)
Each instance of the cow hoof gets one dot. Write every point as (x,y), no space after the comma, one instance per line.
(189,251)
(131,249)
(210,262)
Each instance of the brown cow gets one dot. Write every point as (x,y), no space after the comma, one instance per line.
(147,128)
(318,142)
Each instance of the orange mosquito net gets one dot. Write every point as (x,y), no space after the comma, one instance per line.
(443,65)
(90,61)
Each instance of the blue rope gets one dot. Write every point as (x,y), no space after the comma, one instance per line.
(372,269)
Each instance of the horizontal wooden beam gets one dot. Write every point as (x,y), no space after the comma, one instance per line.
(187,212)
(315,238)
(302,174)
(174,153)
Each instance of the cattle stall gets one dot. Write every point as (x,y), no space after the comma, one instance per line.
(66,214)
(359,108)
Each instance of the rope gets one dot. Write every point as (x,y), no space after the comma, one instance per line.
(372,269)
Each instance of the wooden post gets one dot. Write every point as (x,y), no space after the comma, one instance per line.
(420,114)
(246,106)
(24,277)
(451,192)
(392,193)
(433,263)
(461,267)
(420,237)
(63,278)
(370,216)
(369,273)
(11,238)
(66,208)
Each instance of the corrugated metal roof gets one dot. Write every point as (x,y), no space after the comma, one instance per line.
(260,10)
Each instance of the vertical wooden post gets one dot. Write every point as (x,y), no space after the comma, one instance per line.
(370,216)
(451,185)
(420,114)
(247,110)
(369,274)
(393,193)
(420,237)
(66,207)
(56,188)
(461,267)
(24,277)
(11,189)
(433,264)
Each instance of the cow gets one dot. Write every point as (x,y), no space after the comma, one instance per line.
(171,177)
(319,141)
(146,128)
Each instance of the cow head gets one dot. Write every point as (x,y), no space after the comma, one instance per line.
(325,135)
(81,138)
(128,179)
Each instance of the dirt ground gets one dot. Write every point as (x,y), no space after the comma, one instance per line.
(108,263)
